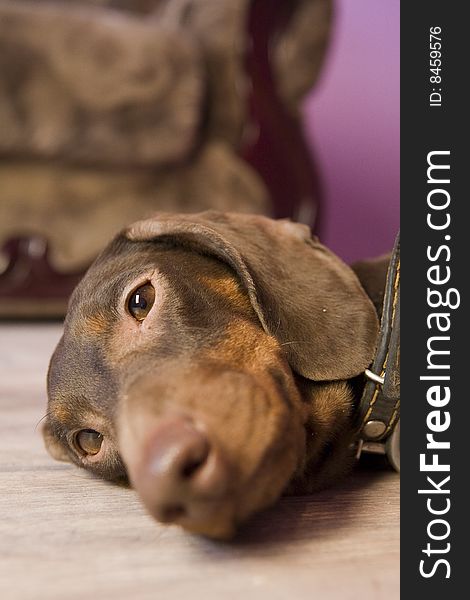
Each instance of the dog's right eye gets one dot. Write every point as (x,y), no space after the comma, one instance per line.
(88,441)
(141,301)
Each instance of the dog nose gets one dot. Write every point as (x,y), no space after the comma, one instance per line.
(180,473)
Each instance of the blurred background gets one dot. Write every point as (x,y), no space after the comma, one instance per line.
(352,120)
(111,110)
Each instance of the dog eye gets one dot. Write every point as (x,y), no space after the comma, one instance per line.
(141,301)
(88,441)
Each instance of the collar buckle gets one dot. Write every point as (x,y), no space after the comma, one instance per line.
(374,377)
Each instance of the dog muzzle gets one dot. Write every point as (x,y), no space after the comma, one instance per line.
(378,411)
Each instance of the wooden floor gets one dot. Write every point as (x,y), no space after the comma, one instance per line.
(65,535)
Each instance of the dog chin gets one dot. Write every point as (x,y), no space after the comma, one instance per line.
(217,522)
(223,531)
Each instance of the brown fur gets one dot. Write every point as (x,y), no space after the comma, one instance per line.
(372,274)
(256,331)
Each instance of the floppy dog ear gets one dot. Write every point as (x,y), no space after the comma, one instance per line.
(303,294)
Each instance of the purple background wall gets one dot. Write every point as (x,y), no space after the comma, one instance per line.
(352,119)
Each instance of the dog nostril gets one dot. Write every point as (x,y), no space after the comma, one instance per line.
(171,512)
(191,467)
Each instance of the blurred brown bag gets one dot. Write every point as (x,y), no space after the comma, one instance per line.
(113,109)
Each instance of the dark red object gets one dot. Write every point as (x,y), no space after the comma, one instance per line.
(280,153)
(30,287)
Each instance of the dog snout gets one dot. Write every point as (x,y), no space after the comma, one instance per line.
(181,473)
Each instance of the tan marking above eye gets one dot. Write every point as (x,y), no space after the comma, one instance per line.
(140,301)
(88,441)
(229,287)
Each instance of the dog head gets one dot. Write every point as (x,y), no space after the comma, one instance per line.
(204,358)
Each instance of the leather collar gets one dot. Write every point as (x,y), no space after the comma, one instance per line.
(378,410)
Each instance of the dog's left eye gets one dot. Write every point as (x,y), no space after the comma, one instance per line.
(141,301)
(88,441)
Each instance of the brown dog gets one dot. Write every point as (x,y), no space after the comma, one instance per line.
(211,360)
